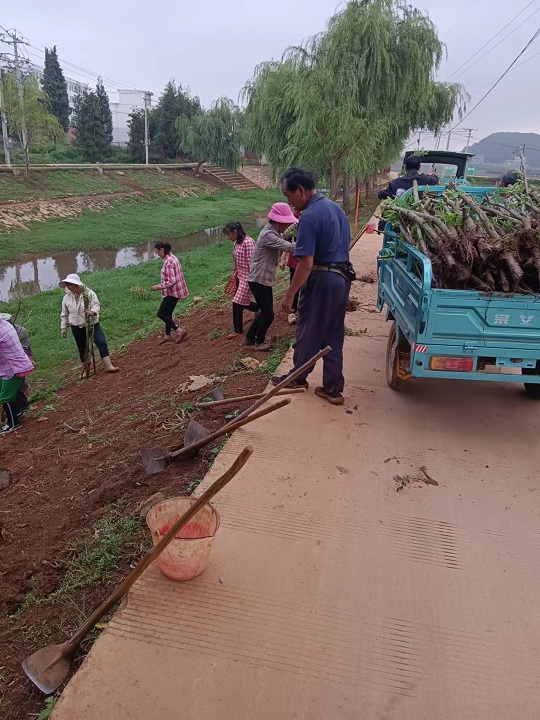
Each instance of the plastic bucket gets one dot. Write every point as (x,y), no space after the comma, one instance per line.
(186,556)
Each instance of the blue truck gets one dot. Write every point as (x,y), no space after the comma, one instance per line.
(453,334)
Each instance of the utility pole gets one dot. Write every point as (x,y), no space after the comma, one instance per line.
(3,122)
(448,139)
(522,167)
(469,136)
(419,139)
(11,38)
(147,96)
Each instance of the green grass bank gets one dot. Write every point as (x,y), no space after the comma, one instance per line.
(135,220)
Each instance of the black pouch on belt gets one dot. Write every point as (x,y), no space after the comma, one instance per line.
(346,269)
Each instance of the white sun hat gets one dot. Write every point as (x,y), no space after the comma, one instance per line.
(72,279)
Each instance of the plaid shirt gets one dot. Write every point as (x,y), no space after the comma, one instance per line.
(266,256)
(13,359)
(242,253)
(172,278)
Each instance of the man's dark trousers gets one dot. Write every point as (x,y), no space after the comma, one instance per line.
(321,322)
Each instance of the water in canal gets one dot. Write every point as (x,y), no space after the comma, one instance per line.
(32,274)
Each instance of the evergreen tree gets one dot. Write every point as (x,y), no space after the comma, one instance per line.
(93,120)
(55,86)
(173,103)
(105,114)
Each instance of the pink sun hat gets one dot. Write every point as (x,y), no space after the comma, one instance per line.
(282,213)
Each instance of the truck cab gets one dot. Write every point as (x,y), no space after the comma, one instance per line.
(450,166)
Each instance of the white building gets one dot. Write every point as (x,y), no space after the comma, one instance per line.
(128,101)
(73,86)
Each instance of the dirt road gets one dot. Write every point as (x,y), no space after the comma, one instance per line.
(343,583)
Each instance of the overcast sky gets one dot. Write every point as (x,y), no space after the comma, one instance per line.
(213,46)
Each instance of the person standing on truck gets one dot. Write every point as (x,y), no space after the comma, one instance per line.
(397,187)
(508,179)
(324,275)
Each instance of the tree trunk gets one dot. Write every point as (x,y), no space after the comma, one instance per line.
(358,189)
(333,181)
(370,184)
(346,194)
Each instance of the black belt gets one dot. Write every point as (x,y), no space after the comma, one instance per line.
(325,268)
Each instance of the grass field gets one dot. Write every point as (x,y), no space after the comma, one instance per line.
(44,185)
(126,313)
(136,220)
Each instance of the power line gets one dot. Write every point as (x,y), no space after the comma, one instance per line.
(490,40)
(515,68)
(90,72)
(497,45)
(536,34)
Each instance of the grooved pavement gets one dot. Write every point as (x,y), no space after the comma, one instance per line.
(342,586)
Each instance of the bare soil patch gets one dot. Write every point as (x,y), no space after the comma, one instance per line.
(70,462)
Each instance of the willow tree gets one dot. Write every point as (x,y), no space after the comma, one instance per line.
(41,125)
(346,101)
(213,135)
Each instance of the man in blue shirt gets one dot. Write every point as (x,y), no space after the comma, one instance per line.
(323,274)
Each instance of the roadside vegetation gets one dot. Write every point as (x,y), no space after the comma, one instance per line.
(128,309)
(135,220)
(45,184)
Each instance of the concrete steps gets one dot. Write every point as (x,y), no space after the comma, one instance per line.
(236,181)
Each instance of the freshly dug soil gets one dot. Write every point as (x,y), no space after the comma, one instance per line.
(69,463)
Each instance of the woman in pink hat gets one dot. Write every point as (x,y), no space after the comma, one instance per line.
(262,272)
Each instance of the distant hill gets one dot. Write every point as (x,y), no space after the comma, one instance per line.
(498,148)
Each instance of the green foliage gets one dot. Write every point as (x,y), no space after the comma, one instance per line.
(40,124)
(174,102)
(93,120)
(213,135)
(115,541)
(215,452)
(345,102)
(205,268)
(277,355)
(136,220)
(46,713)
(55,87)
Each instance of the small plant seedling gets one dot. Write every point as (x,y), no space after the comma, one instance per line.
(215,452)
(46,713)
(193,485)
(140,293)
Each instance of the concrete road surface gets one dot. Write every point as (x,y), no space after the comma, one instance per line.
(343,585)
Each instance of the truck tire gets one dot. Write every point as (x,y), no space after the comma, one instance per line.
(532,390)
(392,359)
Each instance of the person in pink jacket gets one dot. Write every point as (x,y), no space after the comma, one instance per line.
(243,247)
(15,365)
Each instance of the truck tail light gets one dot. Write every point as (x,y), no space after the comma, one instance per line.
(452,364)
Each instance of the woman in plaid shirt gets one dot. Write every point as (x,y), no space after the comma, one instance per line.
(243,247)
(173,288)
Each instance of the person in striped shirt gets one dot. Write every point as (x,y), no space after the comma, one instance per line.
(173,288)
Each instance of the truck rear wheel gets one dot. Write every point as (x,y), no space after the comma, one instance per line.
(532,390)
(392,358)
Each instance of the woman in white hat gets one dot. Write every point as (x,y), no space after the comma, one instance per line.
(79,304)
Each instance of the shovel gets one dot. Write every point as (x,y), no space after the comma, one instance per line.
(155,460)
(217,394)
(49,667)
(243,398)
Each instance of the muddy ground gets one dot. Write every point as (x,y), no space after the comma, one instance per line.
(74,458)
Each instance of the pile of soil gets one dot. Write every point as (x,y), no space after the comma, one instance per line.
(69,463)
